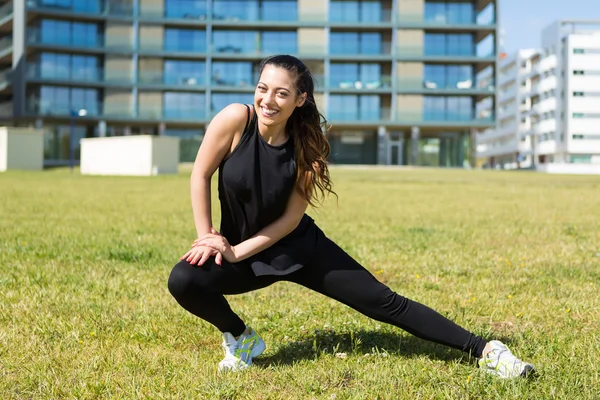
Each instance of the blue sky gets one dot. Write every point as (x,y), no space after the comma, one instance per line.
(522,21)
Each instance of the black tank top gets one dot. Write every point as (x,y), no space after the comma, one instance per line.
(255,183)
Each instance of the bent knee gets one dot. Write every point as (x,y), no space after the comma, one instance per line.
(181,279)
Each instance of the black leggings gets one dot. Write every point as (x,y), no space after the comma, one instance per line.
(333,273)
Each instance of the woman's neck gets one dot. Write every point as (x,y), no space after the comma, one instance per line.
(273,135)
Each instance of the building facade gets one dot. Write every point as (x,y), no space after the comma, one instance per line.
(398,80)
(548,102)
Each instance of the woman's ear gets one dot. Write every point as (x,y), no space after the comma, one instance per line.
(301,100)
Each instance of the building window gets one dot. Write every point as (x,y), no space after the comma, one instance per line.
(192,9)
(184,72)
(448,76)
(586,137)
(55,100)
(442,44)
(192,40)
(68,33)
(221,100)
(235,41)
(451,12)
(447,108)
(279,42)
(65,66)
(355,11)
(354,107)
(183,105)
(586,115)
(253,10)
(581,158)
(233,74)
(355,43)
(356,76)
(73,5)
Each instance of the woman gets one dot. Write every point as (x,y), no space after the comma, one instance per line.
(272,163)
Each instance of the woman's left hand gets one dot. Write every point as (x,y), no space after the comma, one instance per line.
(216,241)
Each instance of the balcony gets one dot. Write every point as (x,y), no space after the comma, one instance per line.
(6,16)
(382,19)
(444,21)
(447,119)
(351,53)
(87,44)
(425,86)
(5,79)
(359,115)
(88,8)
(6,47)
(188,52)
(113,110)
(87,77)
(421,53)
(160,79)
(383,84)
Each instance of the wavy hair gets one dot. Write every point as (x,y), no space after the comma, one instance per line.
(307,127)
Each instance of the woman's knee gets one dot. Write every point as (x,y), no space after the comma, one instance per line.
(182,279)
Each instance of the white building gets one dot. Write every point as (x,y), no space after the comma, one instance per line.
(548,107)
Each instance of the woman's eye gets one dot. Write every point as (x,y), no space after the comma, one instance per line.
(283,94)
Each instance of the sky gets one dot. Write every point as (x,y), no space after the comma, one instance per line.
(522,21)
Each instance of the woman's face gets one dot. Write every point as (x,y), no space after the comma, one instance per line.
(276,96)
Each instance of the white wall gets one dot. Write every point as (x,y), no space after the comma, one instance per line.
(21,148)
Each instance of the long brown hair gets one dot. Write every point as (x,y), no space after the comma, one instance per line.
(307,127)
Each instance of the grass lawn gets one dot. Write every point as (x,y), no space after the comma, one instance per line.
(85,311)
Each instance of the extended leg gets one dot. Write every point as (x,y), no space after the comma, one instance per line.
(335,274)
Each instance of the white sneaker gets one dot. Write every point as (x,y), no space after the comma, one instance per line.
(502,363)
(239,353)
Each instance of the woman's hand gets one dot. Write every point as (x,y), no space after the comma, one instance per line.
(199,254)
(215,241)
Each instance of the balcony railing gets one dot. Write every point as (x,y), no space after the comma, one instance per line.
(6,10)
(415,83)
(383,82)
(172,48)
(424,51)
(149,77)
(385,49)
(99,7)
(112,110)
(102,75)
(94,42)
(361,115)
(441,20)
(384,16)
(5,44)
(5,76)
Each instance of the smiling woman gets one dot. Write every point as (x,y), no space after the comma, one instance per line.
(272,164)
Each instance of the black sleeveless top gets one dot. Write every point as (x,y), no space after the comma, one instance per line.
(255,183)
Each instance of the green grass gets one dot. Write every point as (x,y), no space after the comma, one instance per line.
(85,311)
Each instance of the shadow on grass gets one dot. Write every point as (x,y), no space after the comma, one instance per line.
(360,343)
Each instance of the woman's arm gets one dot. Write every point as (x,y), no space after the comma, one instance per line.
(219,140)
(265,238)
(217,143)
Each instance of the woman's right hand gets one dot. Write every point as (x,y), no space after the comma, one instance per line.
(199,254)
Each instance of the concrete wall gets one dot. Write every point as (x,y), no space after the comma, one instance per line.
(152,7)
(410,41)
(152,37)
(150,104)
(118,35)
(118,102)
(409,107)
(312,41)
(410,10)
(312,10)
(142,155)
(21,148)
(118,69)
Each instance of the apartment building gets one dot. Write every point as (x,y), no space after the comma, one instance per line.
(398,80)
(549,103)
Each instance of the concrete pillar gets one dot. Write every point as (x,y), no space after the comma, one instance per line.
(101,128)
(162,127)
(414,144)
(382,146)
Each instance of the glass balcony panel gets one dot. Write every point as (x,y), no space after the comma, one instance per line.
(105,7)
